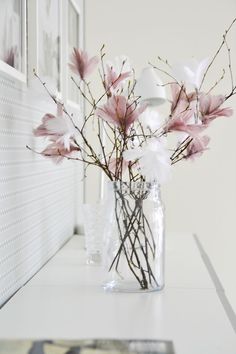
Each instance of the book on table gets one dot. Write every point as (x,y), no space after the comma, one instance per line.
(91,346)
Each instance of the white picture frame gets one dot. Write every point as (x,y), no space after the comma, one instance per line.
(73,41)
(13,43)
(73,97)
(45,43)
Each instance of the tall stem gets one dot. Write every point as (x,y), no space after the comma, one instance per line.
(133,233)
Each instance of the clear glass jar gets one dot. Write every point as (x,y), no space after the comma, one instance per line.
(94,223)
(134,237)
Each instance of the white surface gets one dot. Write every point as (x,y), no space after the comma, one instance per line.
(66,300)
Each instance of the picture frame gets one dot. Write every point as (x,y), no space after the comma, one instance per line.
(38,35)
(75,38)
(45,42)
(73,31)
(13,43)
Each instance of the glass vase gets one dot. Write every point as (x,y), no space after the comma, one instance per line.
(134,237)
(94,223)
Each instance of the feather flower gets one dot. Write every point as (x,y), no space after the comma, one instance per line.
(180,99)
(120,111)
(57,151)
(151,119)
(209,107)
(81,64)
(192,72)
(197,146)
(117,73)
(59,128)
(153,160)
(180,121)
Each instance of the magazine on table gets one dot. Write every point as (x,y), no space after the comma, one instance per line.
(100,346)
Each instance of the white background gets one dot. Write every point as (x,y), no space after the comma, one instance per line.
(201,196)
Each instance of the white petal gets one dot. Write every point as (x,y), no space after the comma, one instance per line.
(155,162)
(151,119)
(191,72)
(60,125)
(202,66)
(133,154)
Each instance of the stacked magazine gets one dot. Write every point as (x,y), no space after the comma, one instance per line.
(87,347)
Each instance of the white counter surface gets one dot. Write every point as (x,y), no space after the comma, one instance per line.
(65,300)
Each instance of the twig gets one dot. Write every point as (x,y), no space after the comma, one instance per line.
(217,52)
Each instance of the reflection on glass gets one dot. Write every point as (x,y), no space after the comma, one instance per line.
(11,33)
(73,42)
(49,42)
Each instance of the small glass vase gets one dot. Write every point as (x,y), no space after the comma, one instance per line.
(134,238)
(94,224)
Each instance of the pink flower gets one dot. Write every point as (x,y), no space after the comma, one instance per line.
(113,77)
(57,151)
(121,112)
(209,107)
(81,64)
(42,130)
(58,128)
(117,72)
(180,97)
(197,146)
(179,121)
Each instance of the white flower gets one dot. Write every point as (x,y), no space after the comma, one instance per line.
(151,119)
(191,72)
(153,160)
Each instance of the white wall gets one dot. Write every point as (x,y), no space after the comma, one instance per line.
(37,198)
(201,196)
(39,202)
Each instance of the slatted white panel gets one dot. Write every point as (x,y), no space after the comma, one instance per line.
(37,198)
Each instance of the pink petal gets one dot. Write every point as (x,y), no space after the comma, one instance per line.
(90,66)
(110,76)
(81,64)
(194,129)
(114,79)
(210,108)
(120,78)
(224,112)
(107,113)
(119,111)
(177,95)
(57,152)
(41,130)
(216,102)
(204,102)
(120,105)
(47,117)
(180,99)
(197,147)
(180,125)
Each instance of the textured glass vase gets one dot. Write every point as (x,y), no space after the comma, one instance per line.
(94,223)
(134,238)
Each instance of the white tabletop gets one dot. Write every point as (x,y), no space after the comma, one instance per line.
(65,300)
